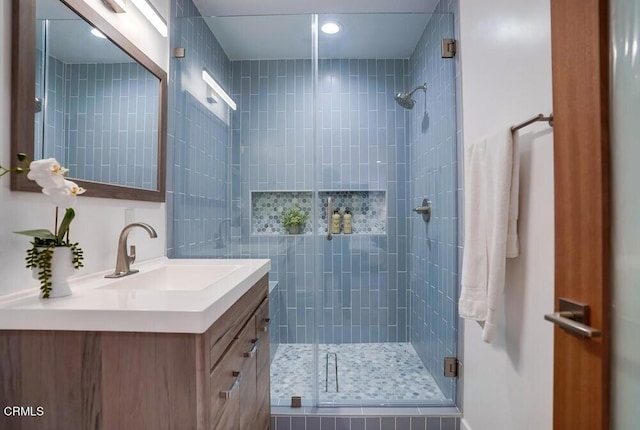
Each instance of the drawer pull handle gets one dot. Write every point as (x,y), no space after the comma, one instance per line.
(253,350)
(267,323)
(234,387)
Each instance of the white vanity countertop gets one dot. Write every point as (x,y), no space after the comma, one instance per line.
(99,304)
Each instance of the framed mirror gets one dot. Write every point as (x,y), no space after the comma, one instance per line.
(84,94)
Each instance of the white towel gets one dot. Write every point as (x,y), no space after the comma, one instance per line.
(490,191)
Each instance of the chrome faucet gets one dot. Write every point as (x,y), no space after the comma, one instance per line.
(124,260)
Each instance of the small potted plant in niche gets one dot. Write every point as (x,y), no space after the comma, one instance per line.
(53,257)
(294,219)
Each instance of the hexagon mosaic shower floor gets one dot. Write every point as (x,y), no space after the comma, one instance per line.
(385,372)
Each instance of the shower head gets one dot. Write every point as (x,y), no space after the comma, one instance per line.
(405,100)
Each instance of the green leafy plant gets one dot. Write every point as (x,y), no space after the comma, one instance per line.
(293,216)
(49,174)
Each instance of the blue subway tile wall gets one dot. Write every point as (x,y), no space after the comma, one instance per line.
(272,149)
(198,153)
(52,121)
(94,137)
(112,138)
(362,146)
(433,254)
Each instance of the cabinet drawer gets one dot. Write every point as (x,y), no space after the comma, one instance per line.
(233,383)
(250,347)
(229,325)
(225,383)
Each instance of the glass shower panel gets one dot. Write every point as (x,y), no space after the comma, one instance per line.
(312,124)
(387,285)
(236,172)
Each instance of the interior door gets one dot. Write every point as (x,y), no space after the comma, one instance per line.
(580,56)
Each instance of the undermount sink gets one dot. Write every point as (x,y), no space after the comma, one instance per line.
(174,278)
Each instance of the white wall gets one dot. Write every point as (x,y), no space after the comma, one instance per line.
(506,78)
(98,221)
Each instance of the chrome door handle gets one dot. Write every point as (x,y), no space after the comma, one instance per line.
(573,317)
(329,213)
(253,350)
(227,394)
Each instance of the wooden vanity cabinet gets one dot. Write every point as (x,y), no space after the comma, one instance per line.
(218,380)
(237,373)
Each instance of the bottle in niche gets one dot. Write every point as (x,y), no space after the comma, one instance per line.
(335,222)
(347,224)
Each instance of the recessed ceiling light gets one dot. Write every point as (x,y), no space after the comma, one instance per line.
(330,27)
(97,33)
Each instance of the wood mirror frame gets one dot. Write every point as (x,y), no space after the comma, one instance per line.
(23,78)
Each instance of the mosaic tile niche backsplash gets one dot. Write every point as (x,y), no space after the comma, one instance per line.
(267,208)
(368,210)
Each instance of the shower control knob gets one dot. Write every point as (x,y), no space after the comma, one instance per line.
(424,210)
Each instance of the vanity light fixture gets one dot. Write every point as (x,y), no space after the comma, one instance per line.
(330,27)
(146,8)
(97,33)
(118,6)
(218,89)
(152,15)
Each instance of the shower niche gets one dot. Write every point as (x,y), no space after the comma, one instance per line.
(368,209)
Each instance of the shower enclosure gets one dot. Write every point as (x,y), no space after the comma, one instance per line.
(367,317)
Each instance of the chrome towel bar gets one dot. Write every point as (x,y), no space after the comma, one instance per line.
(530,121)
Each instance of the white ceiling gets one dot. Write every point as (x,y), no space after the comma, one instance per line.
(289,36)
(288,7)
(281,29)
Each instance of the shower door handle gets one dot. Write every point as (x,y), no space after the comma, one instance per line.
(329,213)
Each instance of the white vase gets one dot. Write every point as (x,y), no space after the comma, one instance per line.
(61,269)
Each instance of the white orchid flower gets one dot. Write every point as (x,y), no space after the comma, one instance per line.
(47,173)
(64,196)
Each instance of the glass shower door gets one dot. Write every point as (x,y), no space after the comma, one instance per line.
(386,281)
(367,317)
(237,171)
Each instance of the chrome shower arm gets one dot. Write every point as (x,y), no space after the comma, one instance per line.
(422,87)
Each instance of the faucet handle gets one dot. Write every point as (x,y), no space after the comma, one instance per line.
(132,254)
